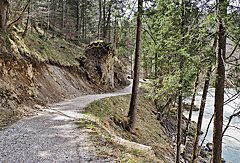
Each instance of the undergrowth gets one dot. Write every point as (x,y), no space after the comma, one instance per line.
(112,113)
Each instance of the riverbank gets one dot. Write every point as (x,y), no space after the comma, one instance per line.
(160,135)
(231,146)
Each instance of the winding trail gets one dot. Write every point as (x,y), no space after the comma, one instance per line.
(52,135)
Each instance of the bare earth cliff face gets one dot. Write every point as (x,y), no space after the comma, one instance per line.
(26,82)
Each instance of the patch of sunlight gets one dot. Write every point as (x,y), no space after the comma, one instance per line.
(62,117)
(117,139)
(43,153)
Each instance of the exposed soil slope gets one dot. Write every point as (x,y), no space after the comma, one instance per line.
(37,70)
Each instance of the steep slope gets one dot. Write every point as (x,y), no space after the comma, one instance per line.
(106,120)
(39,69)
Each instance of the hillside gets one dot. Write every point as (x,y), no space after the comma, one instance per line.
(153,140)
(38,70)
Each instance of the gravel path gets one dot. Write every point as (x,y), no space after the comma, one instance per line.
(52,135)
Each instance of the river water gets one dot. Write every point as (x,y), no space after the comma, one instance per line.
(231,147)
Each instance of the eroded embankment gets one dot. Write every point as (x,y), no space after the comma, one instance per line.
(25,83)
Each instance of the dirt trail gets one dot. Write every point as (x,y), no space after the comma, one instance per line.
(52,135)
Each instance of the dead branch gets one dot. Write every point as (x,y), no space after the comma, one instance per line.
(234,97)
(233,137)
(26,28)
(238,128)
(20,17)
(229,121)
(235,48)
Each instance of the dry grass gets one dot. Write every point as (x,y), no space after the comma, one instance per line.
(112,113)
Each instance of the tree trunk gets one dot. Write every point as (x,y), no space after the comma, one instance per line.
(219,84)
(145,66)
(83,21)
(77,15)
(108,21)
(200,116)
(63,15)
(191,107)
(3,14)
(100,18)
(202,106)
(180,104)
(156,64)
(133,105)
(179,119)
(104,19)
(48,17)
(54,16)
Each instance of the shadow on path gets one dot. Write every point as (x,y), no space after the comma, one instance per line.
(52,135)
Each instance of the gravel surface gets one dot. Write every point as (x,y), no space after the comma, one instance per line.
(52,135)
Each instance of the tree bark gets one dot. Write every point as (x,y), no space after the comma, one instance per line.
(200,116)
(83,21)
(180,104)
(219,84)
(191,107)
(104,19)
(156,64)
(145,66)
(77,15)
(108,21)
(100,18)
(54,16)
(63,23)
(3,14)
(133,105)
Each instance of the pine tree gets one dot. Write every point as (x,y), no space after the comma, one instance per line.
(133,105)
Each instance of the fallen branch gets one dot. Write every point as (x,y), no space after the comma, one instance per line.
(20,17)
